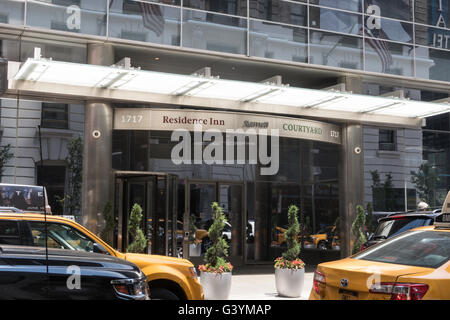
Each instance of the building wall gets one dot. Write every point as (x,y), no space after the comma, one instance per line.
(19,121)
(400,163)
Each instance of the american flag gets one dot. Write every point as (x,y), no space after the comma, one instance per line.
(380,47)
(152,17)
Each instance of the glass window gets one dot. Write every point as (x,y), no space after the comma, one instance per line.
(215,32)
(10,48)
(389,228)
(77,16)
(436,152)
(387,140)
(280,11)
(433,12)
(9,232)
(332,20)
(147,22)
(389,30)
(53,177)
(428,249)
(280,42)
(389,57)
(57,50)
(350,5)
(433,37)
(55,115)
(60,236)
(12,12)
(335,50)
(433,64)
(399,9)
(233,7)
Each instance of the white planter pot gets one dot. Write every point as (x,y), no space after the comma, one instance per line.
(195,250)
(289,282)
(216,286)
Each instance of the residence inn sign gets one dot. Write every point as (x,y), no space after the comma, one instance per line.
(193,120)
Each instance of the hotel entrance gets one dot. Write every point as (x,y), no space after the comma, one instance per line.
(157,195)
(200,195)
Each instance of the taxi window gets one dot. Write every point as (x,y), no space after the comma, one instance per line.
(60,236)
(429,249)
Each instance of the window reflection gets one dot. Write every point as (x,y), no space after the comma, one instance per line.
(388,57)
(350,5)
(77,16)
(433,64)
(278,42)
(333,20)
(433,12)
(215,32)
(335,50)
(390,30)
(279,11)
(399,9)
(233,7)
(12,11)
(147,22)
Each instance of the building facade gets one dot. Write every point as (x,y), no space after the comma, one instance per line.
(373,48)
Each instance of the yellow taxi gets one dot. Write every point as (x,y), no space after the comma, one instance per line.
(168,278)
(414,265)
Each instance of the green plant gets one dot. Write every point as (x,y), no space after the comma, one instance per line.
(215,257)
(426,180)
(75,167)
(5,155)
(110,224)
(358,229)
(290,258)
(134,230)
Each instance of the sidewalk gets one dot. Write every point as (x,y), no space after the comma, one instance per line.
(262,287)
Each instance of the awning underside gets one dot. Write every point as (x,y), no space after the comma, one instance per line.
(131,79)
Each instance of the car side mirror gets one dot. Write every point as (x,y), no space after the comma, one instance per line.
(98,248)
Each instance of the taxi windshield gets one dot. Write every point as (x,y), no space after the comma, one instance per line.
(428,249)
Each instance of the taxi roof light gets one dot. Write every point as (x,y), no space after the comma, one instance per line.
(442,221)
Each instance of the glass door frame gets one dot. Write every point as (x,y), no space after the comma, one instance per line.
(123,179)
(187,216)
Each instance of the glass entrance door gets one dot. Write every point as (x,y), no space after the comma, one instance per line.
(198,216)
(156,194)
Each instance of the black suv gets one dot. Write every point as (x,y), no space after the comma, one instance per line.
(33,273)
(397,223)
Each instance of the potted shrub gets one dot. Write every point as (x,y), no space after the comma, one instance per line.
(215,274)
(289,268)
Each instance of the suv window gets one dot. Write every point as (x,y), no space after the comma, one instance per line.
(392,227)
(60,236)
(9,232)
(429,249)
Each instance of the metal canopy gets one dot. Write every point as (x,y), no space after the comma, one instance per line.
(198,86)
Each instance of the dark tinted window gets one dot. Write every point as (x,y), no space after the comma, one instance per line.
(389,228)
(429,249)
(55,115)
(9,232)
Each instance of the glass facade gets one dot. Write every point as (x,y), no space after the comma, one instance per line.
(308,178)
(407,38)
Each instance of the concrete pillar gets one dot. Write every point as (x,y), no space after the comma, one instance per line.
(97,161)
(351,182)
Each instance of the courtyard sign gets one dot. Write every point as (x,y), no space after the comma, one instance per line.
(194,120)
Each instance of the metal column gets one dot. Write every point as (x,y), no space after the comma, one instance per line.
(351,182)
(97,161)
